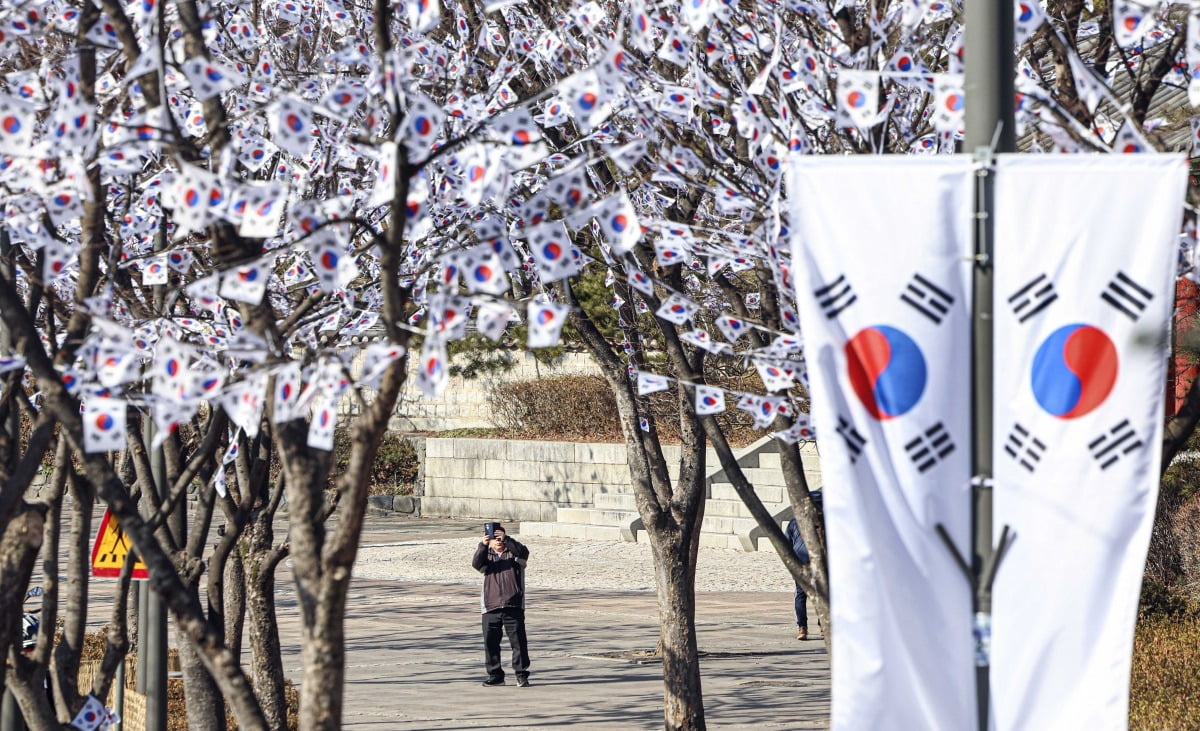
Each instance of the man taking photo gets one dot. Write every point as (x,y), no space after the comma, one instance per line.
(502,561)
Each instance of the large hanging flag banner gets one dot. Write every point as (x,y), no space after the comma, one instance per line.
(881,249)
(1084,290)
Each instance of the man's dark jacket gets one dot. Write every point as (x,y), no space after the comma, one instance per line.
(503,575)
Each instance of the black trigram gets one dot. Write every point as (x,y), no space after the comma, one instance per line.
(1033,297)
(854,441)
(927,298)
(1024,447)
(929,447)
(835,296)
(1108,447)
(1127,296)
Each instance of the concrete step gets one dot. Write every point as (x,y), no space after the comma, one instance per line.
(764,543)
(614,501)
(755,475)
(766,493)
(718,524)
(593,516)
(570,530)
(768,460)
(718,540)
(735,508)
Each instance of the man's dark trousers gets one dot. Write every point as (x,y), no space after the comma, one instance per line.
(512,620)
(801,608)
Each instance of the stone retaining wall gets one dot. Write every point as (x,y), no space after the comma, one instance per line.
(521,480)
(464,404)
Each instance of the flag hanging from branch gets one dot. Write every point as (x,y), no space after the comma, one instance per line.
(1132,20)
(545,321)
(1084,295)
(103,425)
(857,98)
(881,265)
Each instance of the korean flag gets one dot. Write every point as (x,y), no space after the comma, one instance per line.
(857,98)
(16,128)
(288,404)
(247,283)
(103,425)
(209,79)
(324,420)
(492,319)
(551,246)
(433,369)
(327,257)
(648,383)
(677,309)
(1132,20)
(292,127)
(422,125)
(709,400)
(586,97)
(422,14)
(545,323)
(619,223)
(1028,17)
(948,103)
(483,271)
(1084,294)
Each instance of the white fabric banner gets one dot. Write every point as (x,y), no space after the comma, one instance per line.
(1085,266)
(881,250)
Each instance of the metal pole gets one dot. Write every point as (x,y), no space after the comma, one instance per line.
(119,695)
(153,632)
(143,594)
(990,128)
(990,70)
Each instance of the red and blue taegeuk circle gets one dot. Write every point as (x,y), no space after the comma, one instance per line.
(1074,370)
(887,370)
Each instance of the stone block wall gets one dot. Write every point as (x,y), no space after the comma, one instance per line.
(464,404)
(518,480)
(523,480)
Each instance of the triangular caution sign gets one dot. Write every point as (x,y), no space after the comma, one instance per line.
(108,552)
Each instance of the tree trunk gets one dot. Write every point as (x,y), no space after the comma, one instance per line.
(234,600)
(323,650)
(33,701)
(205,706)
(675,571)
(70,647)
(20,542)
(672,515)
(266,667)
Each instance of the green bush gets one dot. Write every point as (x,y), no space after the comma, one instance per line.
(396,464)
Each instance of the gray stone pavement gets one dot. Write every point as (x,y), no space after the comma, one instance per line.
(414,661)
(415,655)
(415,650)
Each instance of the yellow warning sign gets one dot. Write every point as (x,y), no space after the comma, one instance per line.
(110,548)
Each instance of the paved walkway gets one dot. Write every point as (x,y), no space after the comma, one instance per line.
(414,650)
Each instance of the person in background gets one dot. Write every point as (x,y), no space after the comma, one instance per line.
(801,551)
(502,561)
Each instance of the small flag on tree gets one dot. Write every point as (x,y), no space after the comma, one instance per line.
(103,425)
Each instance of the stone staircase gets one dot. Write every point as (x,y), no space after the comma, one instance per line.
(727,522)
